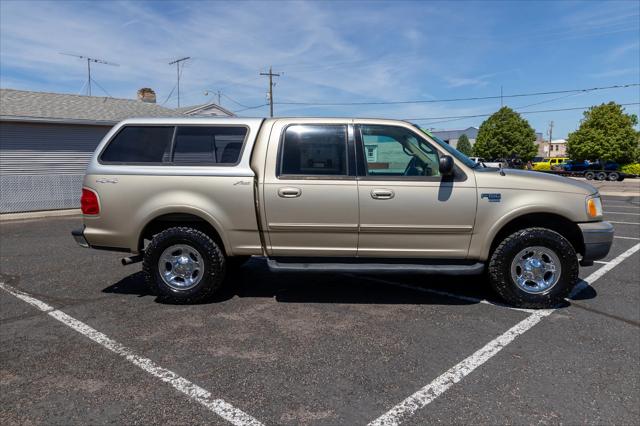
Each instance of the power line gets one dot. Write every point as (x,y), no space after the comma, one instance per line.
(520,112)
(179,72)
(477,98)
(253,107)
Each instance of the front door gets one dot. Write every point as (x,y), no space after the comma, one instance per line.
(311,195)
(406,208)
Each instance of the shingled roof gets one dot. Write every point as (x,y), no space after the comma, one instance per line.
(19,105)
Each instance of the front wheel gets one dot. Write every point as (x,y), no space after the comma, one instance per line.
(184,264)
(533,268)
(589,175)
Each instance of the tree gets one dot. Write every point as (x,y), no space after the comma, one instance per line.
(605,133)
(506,135)
(464,146)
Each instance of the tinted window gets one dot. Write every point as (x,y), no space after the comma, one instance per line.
(398,152)
(139,144)
(208,145)
(314,150)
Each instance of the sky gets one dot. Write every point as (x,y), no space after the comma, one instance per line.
(335,52)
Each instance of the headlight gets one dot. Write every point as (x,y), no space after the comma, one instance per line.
(594,206)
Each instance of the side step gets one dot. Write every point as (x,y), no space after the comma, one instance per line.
(367,266)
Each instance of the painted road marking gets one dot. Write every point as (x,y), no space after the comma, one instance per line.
(625,223)
(635,214)
(626,238)
(433,390)
(602,262)
(193,391)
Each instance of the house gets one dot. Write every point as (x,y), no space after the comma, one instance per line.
(451,136)
(555,148)
(46,141)
(206,110)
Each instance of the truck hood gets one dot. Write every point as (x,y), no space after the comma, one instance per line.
(530,180)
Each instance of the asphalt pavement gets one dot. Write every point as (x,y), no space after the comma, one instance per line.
(85,343)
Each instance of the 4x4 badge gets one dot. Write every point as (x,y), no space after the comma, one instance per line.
(107,180)
(492,197)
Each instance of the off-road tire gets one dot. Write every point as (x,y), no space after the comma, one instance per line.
(589,175)
(213,259)
(601,176)
(500,268)
(613,176)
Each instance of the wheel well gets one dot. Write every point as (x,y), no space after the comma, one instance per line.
(559,224)
(171,220)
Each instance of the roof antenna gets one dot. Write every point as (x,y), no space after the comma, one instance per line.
(89,60)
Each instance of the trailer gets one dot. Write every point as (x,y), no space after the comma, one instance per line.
(610,175)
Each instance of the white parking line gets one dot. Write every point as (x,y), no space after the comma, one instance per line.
(625,223)
(626,238)
(433,390)
(193,391)
(626,213)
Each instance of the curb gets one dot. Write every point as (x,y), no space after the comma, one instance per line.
(5,217)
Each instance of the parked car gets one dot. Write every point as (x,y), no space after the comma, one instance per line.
(576,165)
(194,197)
(550,163)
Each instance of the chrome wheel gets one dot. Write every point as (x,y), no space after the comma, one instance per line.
(181,267)
(536,269)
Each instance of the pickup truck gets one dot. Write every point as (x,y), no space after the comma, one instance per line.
(194,197)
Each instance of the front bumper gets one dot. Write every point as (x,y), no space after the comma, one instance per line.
(78,235)
(597,237)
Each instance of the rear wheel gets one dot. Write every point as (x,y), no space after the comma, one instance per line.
(533,268)
(184,265)
(589,175)
(613,176)
(601,176)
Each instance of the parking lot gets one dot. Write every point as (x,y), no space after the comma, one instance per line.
(82,341)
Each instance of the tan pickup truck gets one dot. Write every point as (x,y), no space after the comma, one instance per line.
(193,197)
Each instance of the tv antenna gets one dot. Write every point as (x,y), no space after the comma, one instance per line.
(177,62)
(89,61)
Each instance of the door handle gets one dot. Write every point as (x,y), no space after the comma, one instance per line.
(382,194)
(289,192)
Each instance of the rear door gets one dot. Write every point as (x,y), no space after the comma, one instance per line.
(310,191)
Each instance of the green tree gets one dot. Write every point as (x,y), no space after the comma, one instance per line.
(505,134)
(605,133)
(464,146)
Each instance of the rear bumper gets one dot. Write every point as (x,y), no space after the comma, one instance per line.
(78,235)
(598,238)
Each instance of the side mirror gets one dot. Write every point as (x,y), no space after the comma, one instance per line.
(446,165)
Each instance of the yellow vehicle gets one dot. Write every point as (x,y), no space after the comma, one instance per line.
(549,163)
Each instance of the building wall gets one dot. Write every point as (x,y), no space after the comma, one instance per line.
(42,165)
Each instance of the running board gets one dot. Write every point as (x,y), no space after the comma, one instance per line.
(377,268)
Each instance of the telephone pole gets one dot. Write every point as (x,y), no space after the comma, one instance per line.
(271,75)
(89,60)
(550,136)
(177,62)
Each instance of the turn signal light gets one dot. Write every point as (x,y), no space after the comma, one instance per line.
(594,207)
(89,202)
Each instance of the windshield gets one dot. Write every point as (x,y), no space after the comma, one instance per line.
(451,150)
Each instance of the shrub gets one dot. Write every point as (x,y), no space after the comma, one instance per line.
(631,168)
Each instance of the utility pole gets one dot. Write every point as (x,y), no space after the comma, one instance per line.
(219,94)
(271,75)
(89,60)
(177,62)
(501,102)
(550,136)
